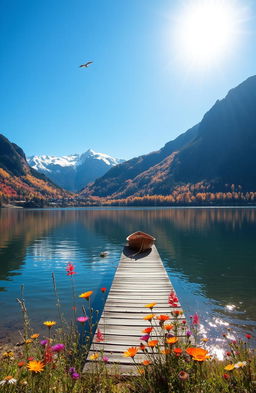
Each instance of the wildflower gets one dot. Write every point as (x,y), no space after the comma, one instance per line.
(99,336)
(58,348)
(103,290)
(8,354)
(226,376)
(162,318)
(48,355)
(173,299)
(141,371)
(147,330)
(21,364)
(34,336)
(70,269)
(183,375)
(249,336)
(184,322)
(9,379)
(188,333)
(49,324)
(145,337)
(44,342)
(86,295)
(172,340)
(105,359)
(168,327)
(72,370)
(153,343)
(94,356)
(35,366)
(177,351)
(229,367)
(228,353)
(195,319)
(75,376)
(176,313)
(165,351)
(28,341)
(204,339)
(131,352)
(149,317)
(82,319)
(240,364)
(142,346)
(31,358)
(198,354)
(150,305)
(146,362)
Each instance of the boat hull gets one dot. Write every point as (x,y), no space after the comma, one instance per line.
(140,241)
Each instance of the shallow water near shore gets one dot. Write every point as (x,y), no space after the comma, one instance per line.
(209,254)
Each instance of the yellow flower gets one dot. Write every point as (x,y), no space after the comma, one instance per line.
(35,366)
(205,339)
(36,335)
(229,367)
(28,341)
(94,356)
(86,295)
(172,340)
(150,305)
(8,354)
(149,317)
(240,364)
(50,323)
(131,352)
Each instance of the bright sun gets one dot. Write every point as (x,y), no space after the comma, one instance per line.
(206,30)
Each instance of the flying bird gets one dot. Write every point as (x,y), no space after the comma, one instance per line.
(86,64)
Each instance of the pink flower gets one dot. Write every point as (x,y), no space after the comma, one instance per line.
(82,319)
(99,336)
(105,359)
(173,299)
(195,319)
(58,347)
(145,337)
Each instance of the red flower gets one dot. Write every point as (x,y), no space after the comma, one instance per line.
(70,269)
(228,353)
(99,336)
(226,376)
(103,290)
(173,299)
(48,355)
(31,358)
(248,336)
(177,351)
(196,320)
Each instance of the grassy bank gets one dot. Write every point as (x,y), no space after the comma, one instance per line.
(53,362)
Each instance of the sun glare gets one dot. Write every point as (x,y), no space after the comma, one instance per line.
(206,30)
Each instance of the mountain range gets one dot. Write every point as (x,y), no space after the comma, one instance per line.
(19,181)
(73,172)
(219,153)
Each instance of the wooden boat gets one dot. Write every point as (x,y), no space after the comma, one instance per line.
(140,241)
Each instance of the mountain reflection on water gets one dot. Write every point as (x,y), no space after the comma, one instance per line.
(209,254)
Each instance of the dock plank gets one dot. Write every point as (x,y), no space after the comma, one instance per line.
(140,279)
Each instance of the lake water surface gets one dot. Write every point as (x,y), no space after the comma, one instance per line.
(209,254)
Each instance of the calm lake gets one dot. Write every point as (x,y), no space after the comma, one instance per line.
(209,254)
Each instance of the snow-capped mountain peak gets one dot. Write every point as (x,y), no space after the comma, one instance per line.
(73,171)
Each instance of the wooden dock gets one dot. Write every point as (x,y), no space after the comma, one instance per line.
(140,279)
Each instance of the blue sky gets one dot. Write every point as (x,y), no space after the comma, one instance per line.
(133,99)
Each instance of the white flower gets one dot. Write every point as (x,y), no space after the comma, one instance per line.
(240,364)
(9,379)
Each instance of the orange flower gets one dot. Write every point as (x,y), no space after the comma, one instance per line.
(172,340)
(149,317)
(163,318)
(194,351)
(28,341)
(35,366)
(150,305)
(152,343)
(146,362)
(34,336)
(205,339)
(198,354)
(177,351)
(131,352)
(147,330)
(176,313)
(166,351)
(168,327)
(94,356)
(86,295)
(49,323)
